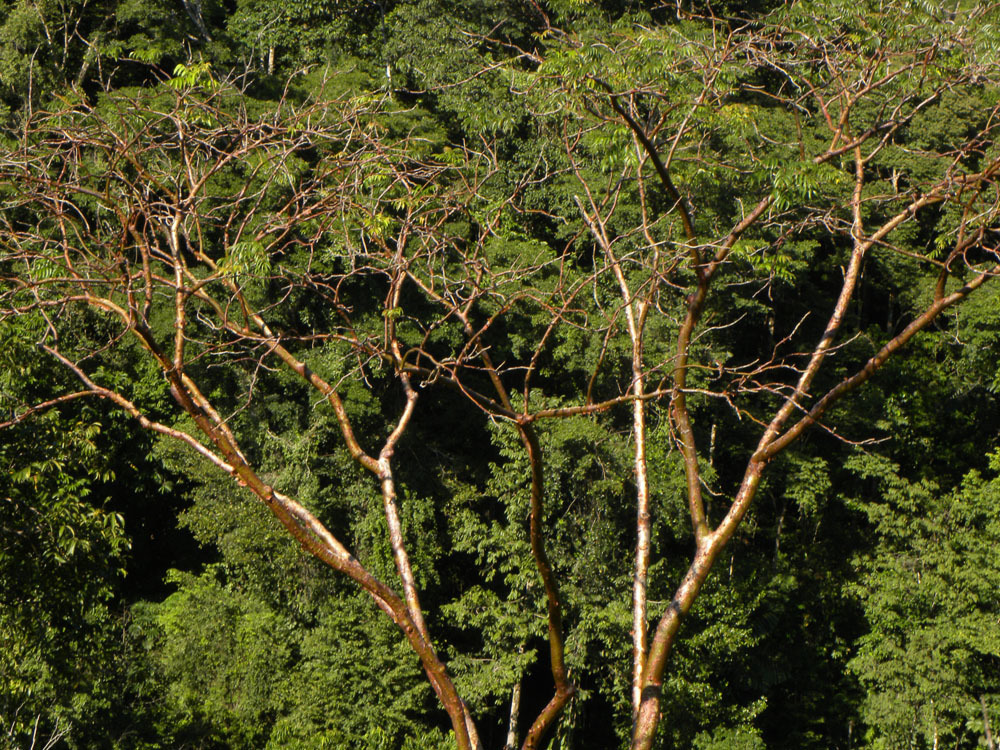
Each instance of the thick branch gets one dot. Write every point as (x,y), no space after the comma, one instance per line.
(564,689)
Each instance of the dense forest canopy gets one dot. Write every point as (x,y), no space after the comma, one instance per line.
(416,374)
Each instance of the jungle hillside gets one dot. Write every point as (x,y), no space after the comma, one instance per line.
(571,374)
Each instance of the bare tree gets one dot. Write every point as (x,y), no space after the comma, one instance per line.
(849,110)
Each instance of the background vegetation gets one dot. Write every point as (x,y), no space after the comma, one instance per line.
(291,158)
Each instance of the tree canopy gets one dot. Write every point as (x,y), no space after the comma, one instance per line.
(416,374)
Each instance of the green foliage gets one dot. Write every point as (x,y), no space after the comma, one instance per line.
(734,739)
(219,653)
(253,656)
(433,44)
(930,600)
(62,555)
(317,157)
(195,74)
(282,37)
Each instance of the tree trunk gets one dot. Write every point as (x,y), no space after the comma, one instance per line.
(990,745)
(515,709)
